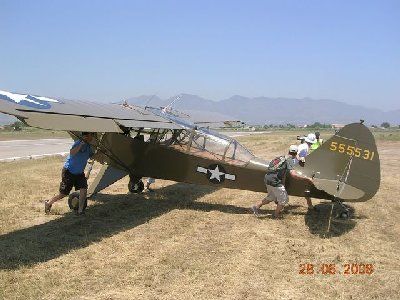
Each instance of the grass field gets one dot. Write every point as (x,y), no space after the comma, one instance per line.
(192,242)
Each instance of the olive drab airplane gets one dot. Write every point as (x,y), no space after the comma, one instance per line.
(166,144)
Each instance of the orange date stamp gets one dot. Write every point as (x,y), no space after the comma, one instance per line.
(334,269)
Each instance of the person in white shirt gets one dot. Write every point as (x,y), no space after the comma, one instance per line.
(303,151)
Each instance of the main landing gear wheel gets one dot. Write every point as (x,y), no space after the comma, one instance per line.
(344,212)
(73,201)
(137,187)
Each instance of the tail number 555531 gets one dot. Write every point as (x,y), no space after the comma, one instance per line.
(352,150)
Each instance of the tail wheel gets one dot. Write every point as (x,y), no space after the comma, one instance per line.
(73,201)
(137,187)
(345,214)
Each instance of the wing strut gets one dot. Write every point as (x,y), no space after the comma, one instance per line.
(107,176)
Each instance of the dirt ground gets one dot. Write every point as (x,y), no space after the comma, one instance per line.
(194,242)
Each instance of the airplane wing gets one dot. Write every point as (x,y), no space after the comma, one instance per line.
(67,115)
(212,119)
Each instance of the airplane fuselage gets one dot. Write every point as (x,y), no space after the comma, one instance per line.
(177,163)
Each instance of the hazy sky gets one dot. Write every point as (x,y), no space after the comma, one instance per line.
(111,50)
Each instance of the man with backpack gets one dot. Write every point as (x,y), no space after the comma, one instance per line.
(278,169)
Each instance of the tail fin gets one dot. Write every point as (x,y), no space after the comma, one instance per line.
(347,165)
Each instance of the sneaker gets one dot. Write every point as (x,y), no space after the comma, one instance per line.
(47,207)
(255,211)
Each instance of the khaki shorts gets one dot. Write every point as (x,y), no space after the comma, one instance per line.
(278,194)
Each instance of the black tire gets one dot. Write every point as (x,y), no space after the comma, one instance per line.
(137,187)
(344,215)
(73,201)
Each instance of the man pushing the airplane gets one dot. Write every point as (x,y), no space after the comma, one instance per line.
(278,169)
(72,174)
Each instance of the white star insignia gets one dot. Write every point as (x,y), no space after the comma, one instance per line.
(216,174)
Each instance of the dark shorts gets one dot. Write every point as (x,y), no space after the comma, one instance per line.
(69,180)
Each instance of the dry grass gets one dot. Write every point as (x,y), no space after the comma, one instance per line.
(191,242)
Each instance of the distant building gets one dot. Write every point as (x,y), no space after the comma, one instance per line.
(337,126)
(250,128)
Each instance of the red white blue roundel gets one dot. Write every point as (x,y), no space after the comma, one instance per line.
(36,102)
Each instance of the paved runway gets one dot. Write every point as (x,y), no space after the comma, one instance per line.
(19,149)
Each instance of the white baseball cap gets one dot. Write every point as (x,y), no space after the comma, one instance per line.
(293,149)
(310,138)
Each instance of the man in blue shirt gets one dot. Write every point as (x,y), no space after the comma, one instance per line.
(73,172)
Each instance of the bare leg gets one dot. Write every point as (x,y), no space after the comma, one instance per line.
(149,181)
(307,194)
(56,198)
(309,202)
(147,187)
(263,202)
(278,210)
(49,203)
(257,206)
(82,199)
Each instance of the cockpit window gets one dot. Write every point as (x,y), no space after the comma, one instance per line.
(198,141)
(203,142)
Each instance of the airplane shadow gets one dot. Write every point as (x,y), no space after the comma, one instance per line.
(320,221)
(114,214)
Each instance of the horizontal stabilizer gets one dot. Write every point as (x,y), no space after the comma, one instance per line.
(332,187)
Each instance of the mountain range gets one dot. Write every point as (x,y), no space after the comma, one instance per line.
(264,110)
